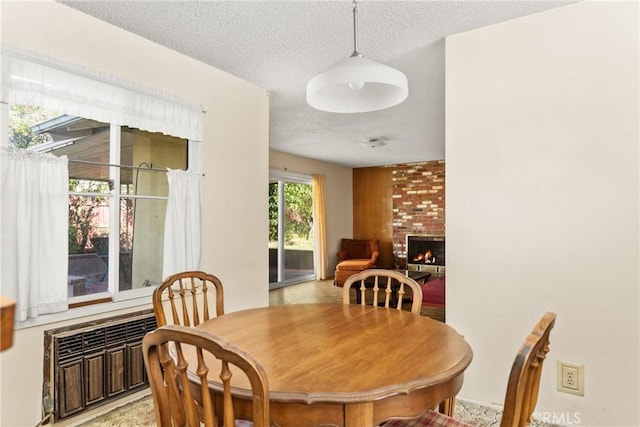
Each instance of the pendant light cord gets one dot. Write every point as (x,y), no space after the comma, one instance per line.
(355,29)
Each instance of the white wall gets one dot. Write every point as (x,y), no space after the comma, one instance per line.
(338,196)
(235,183)
(542,203)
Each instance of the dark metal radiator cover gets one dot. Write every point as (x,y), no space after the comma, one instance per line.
(90,364)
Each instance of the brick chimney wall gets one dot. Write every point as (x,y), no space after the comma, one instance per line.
(418,203)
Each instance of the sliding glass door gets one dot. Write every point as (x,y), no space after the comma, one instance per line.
(290,229)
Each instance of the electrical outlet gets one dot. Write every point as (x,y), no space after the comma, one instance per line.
(571,378)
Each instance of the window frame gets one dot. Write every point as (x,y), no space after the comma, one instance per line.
(113,296)
(92,93)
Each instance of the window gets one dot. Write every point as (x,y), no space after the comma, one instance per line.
(291,246)
(117,197)
(117,177)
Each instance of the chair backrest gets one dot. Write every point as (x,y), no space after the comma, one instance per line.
(358,249)
(188,299)
(524,380)
(178,402)
(370,283)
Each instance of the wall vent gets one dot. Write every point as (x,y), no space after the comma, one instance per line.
(90,364)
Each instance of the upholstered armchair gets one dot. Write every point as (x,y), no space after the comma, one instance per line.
(355,256)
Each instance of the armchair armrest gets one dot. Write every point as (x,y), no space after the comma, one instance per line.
(342,255)
(374,256)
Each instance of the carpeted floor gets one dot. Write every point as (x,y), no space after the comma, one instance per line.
(141,414)
(135,414)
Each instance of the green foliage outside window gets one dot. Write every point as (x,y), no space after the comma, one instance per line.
(298,211)
(21,118)
(273,212)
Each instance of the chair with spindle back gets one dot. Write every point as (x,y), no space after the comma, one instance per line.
(171,378)
(188,298)
(392,284)
(522,387)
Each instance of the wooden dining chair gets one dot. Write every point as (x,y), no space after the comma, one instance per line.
(522,387)
(170,374)
(188,298)
(378,286)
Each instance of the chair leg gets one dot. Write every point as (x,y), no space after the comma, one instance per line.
(448,407)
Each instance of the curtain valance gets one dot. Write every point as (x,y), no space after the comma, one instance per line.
(35,79)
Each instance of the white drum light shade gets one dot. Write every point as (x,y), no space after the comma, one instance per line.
(357,85)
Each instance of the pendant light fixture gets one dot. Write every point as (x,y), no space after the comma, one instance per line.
(357,84)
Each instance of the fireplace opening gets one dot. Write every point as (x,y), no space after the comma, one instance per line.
(425,250)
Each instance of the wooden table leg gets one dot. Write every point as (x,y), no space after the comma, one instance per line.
(358,414)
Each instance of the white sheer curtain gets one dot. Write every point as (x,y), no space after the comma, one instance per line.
(183,223)
(319,228)
(34,190)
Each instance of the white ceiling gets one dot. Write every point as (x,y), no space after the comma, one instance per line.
(280,45)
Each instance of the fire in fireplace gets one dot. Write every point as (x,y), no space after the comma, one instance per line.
(425,250)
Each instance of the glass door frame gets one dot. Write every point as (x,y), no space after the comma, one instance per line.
(283,177)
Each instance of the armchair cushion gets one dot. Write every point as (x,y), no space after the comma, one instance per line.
(355,265)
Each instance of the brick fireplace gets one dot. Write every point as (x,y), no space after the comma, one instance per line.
(418,203)
(391,202)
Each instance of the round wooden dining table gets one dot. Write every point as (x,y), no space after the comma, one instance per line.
(344,365)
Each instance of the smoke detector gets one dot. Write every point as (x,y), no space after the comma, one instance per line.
(373,143)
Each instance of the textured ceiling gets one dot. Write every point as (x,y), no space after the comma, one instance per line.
(280,45)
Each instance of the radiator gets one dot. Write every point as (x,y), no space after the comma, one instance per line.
(94,363)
